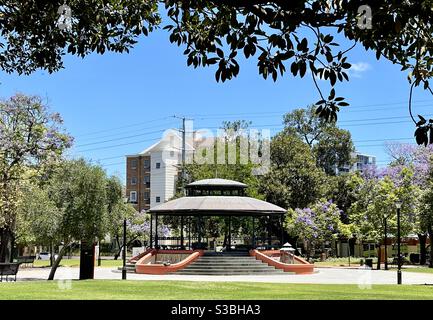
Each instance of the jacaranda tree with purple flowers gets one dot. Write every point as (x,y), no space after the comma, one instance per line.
(137,228)
(32,141)
(314,225)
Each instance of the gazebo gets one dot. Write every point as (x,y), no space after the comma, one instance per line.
(215,197)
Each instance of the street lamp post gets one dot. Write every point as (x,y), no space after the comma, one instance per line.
(124,251)
(124,246)
(398,205)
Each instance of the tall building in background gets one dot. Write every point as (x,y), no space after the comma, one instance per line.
(363,160)
(360,162)
(151,175)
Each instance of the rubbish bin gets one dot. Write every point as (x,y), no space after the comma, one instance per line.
(369,263)
(414,257)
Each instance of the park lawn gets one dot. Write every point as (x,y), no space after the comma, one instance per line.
(76,263)
(418,270)
(188,290)
(338,263)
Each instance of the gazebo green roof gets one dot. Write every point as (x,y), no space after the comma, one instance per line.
(217,205)
(217,183)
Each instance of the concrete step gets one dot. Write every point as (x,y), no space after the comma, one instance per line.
(231,272)
(195,267)
(226,254)
(227,264)
(204,258)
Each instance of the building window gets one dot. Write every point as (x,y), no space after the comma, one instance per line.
(146,195)
(158,199)
(146,164)
(171,154)
(134,164)
(133,197)
(133,181)
(158,165)
(147,180)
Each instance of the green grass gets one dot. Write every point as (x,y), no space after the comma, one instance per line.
(338,262)
(418,270)
(76,263)
(182,290)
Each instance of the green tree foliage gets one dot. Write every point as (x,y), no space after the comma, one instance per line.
(32,141)
(375,206)
(80,191)
(426,210)
(299,36)
(117,211)
(32,38)
(332,146)
(233,132)
(38,217)
(294,181)
(342,190)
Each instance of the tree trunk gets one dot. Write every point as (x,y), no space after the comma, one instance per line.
(422,248)
(5,245)
(57,262)
(379,253)
(310,250)
(51,255)
(119,251)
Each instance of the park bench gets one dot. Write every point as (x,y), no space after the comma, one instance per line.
(25,260)
(8,269)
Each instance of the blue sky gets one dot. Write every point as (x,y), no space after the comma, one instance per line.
(129,99)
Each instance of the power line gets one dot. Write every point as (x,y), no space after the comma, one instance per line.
(282,113)
(125,126)
(209,116)
(128,132)
(121,138)
(385,139)
(118,145)
(264,125)
(285,111)
(112,164)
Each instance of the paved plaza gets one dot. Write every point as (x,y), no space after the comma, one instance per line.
(361,277)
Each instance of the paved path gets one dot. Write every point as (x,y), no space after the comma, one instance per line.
(322,276)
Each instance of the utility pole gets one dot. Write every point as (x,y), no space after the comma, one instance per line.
(183,130)
(183,148)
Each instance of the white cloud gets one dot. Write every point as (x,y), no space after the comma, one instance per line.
(357,69)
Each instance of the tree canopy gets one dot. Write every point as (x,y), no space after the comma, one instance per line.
(299,36)
(32,141)
(332,147)
(293,168)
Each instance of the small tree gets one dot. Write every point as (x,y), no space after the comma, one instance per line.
(314,225)
(79,191)
(374,212)
(38,219)
(426,211)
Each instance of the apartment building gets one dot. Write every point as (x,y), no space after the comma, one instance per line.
(363,160)
(151,175)
(360,162)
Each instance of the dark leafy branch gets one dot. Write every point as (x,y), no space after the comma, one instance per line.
(217,33)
